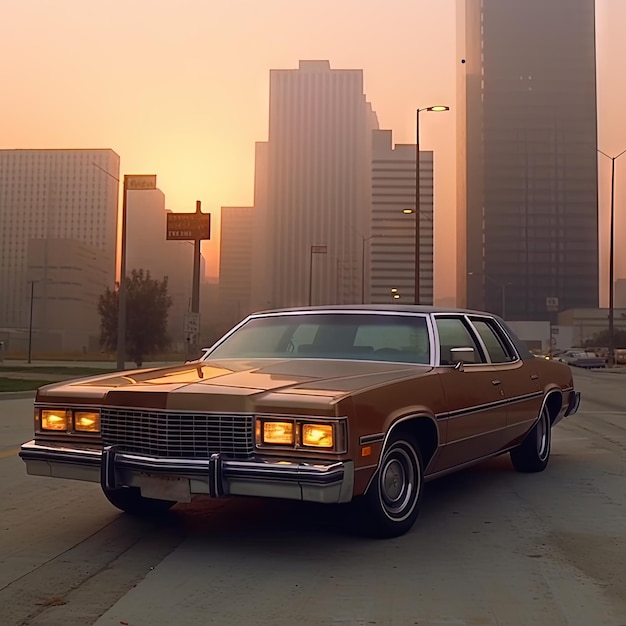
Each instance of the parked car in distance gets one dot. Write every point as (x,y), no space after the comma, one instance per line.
(580,358)
(339,404)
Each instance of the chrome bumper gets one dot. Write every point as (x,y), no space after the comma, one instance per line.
(329,483)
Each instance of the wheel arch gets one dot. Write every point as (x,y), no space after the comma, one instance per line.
(423,428)
(553,401)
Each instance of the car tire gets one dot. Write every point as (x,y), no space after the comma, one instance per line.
(390,505)
(130,500)
(533,454)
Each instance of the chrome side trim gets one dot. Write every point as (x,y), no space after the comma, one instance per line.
(489,405)
(374,438)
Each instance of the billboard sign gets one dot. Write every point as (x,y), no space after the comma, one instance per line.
(135,182)
(186,226)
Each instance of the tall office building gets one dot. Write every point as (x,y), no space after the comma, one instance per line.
(527,169)
(236,248)
(49,196)
(318,184)
(391,274)
(149,250)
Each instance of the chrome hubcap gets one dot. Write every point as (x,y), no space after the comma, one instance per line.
(400,481)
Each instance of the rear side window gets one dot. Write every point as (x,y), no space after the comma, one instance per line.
(453,333)
(498,348)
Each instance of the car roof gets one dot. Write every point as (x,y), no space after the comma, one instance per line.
(399,308)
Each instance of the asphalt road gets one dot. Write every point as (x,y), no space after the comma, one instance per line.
(491,546)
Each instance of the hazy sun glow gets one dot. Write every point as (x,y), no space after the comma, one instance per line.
(181,90)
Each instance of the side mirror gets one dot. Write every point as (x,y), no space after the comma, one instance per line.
(462,355)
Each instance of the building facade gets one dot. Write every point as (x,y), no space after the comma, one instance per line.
(66,279)
(236,248)
(318,185)
(527,163)
(390,274)
(148,249)
(48,196)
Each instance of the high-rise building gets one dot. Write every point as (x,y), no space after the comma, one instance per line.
(317,204)
(148,249)
(49,196)
(392,235)
(236,239)
(527,170)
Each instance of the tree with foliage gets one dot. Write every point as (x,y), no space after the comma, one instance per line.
(147,306)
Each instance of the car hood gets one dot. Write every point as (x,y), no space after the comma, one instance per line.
(237,385)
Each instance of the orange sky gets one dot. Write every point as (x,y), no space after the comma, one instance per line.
(180,89)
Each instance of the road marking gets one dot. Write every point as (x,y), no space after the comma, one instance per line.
(7,453)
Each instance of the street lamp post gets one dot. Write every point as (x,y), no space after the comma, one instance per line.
(435,109)
(611,338)
(502,287)
(131,183)
(364,239)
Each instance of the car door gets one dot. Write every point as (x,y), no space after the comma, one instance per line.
(517,377)
(476,407)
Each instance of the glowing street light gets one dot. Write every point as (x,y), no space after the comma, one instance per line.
(434,109)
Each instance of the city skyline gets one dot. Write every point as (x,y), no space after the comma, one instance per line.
(149,86)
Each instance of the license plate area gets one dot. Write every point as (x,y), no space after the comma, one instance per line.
(165,487)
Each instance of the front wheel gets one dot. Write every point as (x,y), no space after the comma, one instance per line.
(390,506)
(533,453)
(130,500)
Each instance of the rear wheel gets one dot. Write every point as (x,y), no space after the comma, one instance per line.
(390,506)
(130,500)
(533,453)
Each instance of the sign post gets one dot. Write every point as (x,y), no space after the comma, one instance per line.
(132,182)
(196,227)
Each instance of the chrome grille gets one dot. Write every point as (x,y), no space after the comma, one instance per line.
(178,435)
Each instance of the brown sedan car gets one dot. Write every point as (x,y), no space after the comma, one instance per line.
(336,404)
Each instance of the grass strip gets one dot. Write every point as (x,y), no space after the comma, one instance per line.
(17,384)
(61,370)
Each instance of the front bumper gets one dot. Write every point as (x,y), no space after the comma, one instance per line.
(180,479)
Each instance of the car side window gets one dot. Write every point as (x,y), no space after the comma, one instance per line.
(453,333)
(497,347)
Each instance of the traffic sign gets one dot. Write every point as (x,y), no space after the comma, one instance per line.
(192,323)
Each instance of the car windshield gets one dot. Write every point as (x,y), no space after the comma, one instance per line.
(399,338)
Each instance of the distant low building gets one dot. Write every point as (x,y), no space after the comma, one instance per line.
(64,280)
(589,322)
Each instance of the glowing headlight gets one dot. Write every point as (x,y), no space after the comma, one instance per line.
(317,435)
(54,419)
(87,421)
(278,433)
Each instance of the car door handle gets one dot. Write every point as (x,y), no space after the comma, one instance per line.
(496,382)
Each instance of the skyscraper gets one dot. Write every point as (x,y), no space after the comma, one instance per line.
(392,240)
(527,169)
(48,196)
(236,249)
(318,184)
